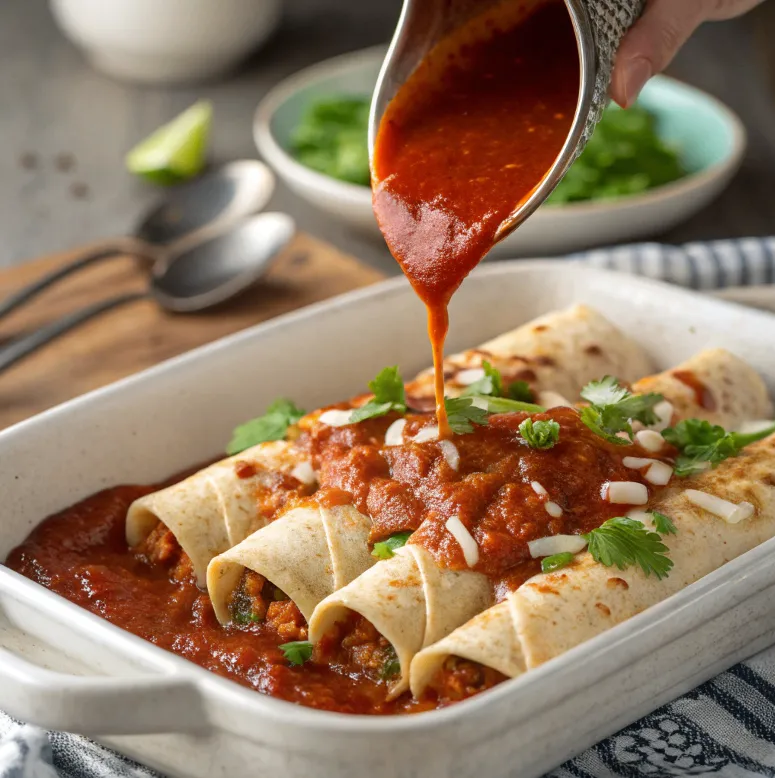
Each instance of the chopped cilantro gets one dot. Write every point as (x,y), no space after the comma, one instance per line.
(555,562)
(491,384)
(241,617)
(462,414)
(273,425)
(384,548)
(703,445)
(663,524)
(388,389)
(622,542)
(540,434)
(520,390)
(505,405)
(391,666)
(297,652)
(612,408)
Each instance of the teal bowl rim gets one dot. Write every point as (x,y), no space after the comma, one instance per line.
(277,155)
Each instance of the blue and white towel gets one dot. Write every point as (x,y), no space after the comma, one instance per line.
(725,727)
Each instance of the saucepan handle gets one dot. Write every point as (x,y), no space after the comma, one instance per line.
(99,705)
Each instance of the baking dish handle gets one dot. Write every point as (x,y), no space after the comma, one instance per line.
(98,705)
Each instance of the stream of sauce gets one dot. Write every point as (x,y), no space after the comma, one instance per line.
(466,140)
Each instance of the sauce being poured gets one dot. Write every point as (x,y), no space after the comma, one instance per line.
(466,140)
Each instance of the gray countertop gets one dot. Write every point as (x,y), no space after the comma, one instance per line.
(64,129)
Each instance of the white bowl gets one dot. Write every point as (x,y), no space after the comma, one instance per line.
(166,41)
(711,138)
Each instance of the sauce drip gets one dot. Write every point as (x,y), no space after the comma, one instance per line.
(702,395)
(464,142)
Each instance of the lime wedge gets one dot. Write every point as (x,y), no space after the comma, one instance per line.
(176,151)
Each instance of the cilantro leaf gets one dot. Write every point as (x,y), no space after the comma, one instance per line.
(384,548)
(606,391)
(388,389)
(520,390)
(273,425)
(391,666)
(555,562)
(540,434)
(462,414)
(622,542)
(297,652)
(663,524)
(491,384)
(703,445)
(612,408)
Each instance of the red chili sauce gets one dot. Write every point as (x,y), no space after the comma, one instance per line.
(466,140)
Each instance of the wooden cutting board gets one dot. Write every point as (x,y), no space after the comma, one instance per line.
(140,334)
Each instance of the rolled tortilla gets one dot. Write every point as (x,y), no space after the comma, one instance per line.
(309,552)
(559,352)
(410,600)
(214,509)
(553,612)
(714,385)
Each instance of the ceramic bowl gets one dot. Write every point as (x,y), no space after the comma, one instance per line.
(711,138)
(173,41)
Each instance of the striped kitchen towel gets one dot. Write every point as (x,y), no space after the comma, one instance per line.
(725,727)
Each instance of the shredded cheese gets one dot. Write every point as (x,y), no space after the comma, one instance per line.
(659,474)
(553,400)
(335,418)
(664,412)
(450,453)
(426,434)
(394,435)
(303,472)
(637,463)
(730,512)
(538,489)
(553,509)
(556,544)
(465,539)
(625,493)
(470,376)
(650,440)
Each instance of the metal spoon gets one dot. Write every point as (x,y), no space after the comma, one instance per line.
(184,217)
(423,23)
(184,281)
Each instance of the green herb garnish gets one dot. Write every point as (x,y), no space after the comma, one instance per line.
(391,666)
(612,408)
(540,434)
(663,524)
(624,156)
(622,542)
(388,389)
(555,562)
(273,425)
(462,414)
(704,445)
(297,652)
(385,549)
(505,405)
(331,138)
(491,384)
(520,390)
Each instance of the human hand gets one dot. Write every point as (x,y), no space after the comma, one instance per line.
(658,35)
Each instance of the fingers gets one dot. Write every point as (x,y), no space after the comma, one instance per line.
(651,43)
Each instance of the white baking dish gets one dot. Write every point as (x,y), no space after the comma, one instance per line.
(62,667)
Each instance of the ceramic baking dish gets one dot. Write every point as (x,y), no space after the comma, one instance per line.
(62,667)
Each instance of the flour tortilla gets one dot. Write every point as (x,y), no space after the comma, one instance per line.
(560,352)
(410,600)
(308,553)
(551,613)
(214,509)
(735,391)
